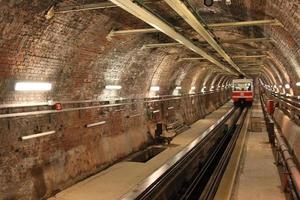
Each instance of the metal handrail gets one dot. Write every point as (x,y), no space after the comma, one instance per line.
(132,102)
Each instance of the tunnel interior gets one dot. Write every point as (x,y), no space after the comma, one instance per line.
(107,72)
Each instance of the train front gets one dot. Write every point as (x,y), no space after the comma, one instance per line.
(242,94)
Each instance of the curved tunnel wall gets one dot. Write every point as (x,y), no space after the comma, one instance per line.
(72,51)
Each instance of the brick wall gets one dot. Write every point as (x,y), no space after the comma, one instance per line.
(39,167)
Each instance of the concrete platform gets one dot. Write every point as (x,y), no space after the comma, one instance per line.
(117,180)
(258,177)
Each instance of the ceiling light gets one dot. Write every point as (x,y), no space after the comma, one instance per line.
(298,84)
(228,2)
(193,88)
(280,86)
(154,88)
(287,86)
(113,87)
(33,86)
(178,88)
(208,2)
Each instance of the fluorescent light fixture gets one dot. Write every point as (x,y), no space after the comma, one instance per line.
(287,86)
(95,124)
(298,84)
(132,116)
(113,87)
(178,88)
(27,137)
(154,88)
(33,86)
(228,2)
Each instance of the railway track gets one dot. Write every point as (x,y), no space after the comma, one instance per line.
(196,171)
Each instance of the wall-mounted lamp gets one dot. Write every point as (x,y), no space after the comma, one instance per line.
(33,86)
(228,2)
(113,87)
(154,88)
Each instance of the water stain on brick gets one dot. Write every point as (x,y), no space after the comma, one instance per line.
(39,186)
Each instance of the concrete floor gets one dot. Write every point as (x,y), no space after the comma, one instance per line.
(258,177)
(120,178)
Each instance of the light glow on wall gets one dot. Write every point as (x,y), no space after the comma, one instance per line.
(113,87)
(192,90)
(287,86)
(154,88)
(33,86)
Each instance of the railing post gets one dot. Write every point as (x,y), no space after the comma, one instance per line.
(271,132)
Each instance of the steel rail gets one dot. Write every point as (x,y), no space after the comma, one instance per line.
(216,178)
(207,180)
(149,187)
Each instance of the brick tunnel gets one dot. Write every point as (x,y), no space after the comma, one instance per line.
(87,84)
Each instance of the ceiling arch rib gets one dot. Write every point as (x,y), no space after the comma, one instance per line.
(179,7)
(156,22)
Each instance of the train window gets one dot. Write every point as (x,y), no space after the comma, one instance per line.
(242,87)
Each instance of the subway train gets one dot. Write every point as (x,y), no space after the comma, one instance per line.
(242,92)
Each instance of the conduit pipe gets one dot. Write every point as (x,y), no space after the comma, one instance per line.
(179,7)
(162,26)
(292,167)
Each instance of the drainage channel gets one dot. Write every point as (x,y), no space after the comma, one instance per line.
(194,172)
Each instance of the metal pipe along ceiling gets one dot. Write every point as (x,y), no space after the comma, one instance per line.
(190,18)
(159,24)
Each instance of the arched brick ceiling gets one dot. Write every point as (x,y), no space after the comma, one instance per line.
(72,50)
